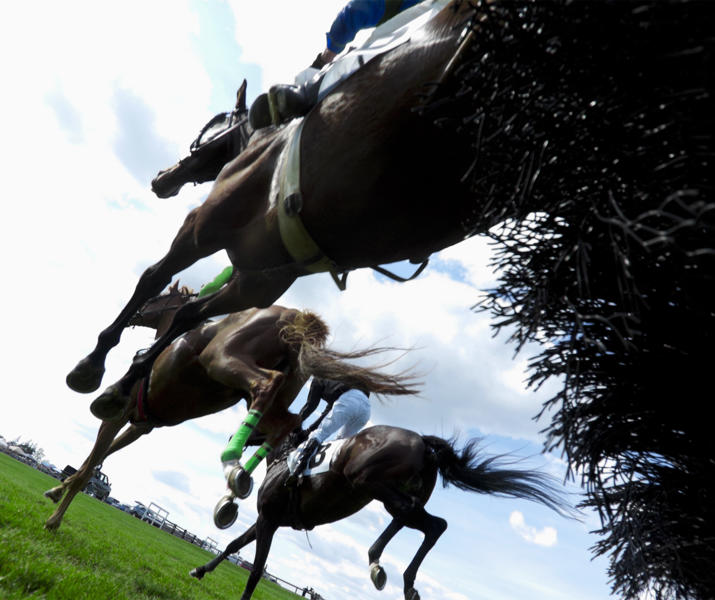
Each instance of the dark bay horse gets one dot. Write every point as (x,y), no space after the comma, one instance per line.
(379,183)
(263,356)
(399,468)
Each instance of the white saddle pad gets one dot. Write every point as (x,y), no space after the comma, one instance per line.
(322,459)
(389,35)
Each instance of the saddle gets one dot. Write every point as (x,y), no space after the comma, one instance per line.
(226,135)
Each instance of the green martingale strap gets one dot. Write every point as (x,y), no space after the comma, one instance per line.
(234,449)
(259,455)
(215,285)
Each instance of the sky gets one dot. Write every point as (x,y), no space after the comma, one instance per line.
(97,99)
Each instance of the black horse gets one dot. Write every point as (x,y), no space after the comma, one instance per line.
(399,468)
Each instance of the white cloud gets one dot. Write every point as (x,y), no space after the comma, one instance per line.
(546,536)
(296,34)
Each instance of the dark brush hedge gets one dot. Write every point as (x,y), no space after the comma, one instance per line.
(591,125)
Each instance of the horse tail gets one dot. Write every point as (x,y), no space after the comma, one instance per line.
(308,333)
(468,471)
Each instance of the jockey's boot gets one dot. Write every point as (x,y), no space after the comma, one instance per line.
(259,115)
(288,102)
(305,455)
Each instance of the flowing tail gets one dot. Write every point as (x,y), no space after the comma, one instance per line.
(468,471)
(308,333)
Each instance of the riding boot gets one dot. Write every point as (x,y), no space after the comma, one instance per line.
(290,101)
(305,455)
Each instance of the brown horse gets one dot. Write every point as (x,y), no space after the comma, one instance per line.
(264,356)
(378,183)
(399,468)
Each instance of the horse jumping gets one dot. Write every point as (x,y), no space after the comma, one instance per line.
(399,468)
(372,169)
(264,356)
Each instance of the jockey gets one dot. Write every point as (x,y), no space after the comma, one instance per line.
(355,16)
(347,411)
(292,101)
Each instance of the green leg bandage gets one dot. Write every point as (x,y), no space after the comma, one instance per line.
(234,450)
(255,460)
(215,285)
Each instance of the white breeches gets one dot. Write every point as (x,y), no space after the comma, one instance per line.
(349,414)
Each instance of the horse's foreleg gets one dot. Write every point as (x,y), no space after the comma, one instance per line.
(76,482)
(233,547)
(265,531)
(87,375)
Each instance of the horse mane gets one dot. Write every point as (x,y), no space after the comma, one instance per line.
(175,290)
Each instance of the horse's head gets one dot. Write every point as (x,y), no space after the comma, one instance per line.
(158,311)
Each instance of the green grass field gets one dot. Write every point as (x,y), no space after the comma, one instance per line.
(98,552)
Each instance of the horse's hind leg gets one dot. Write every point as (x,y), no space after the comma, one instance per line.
(233,547)
(241,292)
(87,375)
(377,573)
(76,483)
(432,527)
(408,511)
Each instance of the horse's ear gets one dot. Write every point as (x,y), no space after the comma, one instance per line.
(174,288)
(241,97)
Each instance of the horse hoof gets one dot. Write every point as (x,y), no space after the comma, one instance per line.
(225,514)
(52,524)
(240,483)
(110,405)
(86,377)
(378,576)
(412,594)
(197,572)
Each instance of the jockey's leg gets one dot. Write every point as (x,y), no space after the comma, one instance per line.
(349,414)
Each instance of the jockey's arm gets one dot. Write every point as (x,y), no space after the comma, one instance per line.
(315,395)
(355,16)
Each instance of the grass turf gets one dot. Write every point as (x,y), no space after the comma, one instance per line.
(99,552)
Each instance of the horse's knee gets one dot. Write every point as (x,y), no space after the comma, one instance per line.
(439,526)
